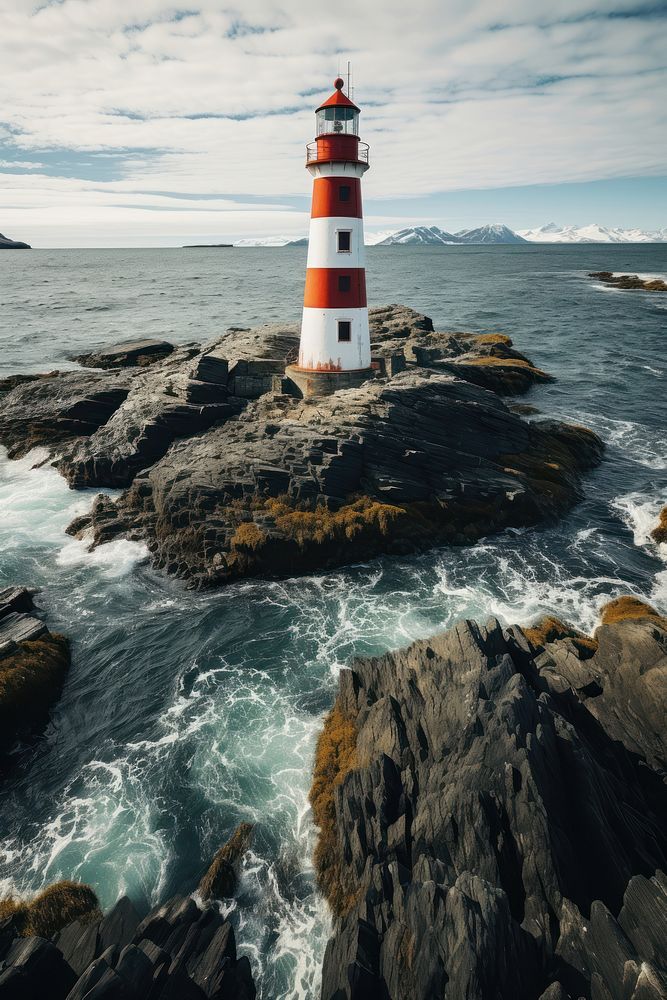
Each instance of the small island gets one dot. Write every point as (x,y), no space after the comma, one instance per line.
(205,246)
(7,244)
(629,282)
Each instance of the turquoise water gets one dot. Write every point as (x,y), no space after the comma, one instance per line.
(183,713)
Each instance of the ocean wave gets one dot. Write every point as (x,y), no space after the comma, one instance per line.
(640,514)
(640,442)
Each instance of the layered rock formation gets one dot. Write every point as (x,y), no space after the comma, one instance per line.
(494,815)
(130,353)
(33,665)
(230,475)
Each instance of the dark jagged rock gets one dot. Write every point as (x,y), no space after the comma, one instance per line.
(132,353)
(485,832)
(221,879)
(157,409)
(179,951)
(33,665)
(30,968)
(630,282)
(230,475)
(621,677)
(58,408)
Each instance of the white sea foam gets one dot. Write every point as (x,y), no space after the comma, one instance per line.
(37,506)
(640,514)
(36,502)
(639,442)
(113,559)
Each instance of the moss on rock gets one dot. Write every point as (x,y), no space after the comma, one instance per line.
(30,681)
(52,909)
(335,757)
(550,629)
(659,533)
(220,880)
(629,608)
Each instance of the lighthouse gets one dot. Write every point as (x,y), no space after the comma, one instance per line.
(335,347)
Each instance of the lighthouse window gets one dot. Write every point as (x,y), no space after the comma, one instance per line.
(344,240)
(338,121)
(344,330)
(344,282)
(344,192)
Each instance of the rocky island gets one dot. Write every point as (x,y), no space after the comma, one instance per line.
(227,473)
(7,244)
(630,282)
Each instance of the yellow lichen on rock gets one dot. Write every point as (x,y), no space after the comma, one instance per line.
(220,880)
(504,363)
(248,536)
(52,909)
(30,680)
(550,629)
(320,525)
(659,533)
(630,609)
(493,338)
(335,757)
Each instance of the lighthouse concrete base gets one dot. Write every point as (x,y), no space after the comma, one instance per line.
(312,383)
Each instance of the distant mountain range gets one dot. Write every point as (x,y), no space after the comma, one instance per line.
(552,233)
(434,236)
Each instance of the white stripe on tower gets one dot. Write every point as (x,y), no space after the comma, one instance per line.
(323,243)
(320,343)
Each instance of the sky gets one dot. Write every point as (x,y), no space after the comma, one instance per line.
(144,123)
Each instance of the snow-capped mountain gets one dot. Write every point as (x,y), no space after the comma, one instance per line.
(427,235)
(433,235)
(489,234)
(593,233)
(374,239)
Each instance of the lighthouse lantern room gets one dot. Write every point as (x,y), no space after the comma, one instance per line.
(335,350)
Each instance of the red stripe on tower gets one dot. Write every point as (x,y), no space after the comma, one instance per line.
(335,287)
(336,196)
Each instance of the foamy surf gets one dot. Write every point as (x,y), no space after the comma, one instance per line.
(38,505)
(640,514)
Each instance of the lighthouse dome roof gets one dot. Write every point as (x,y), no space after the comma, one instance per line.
(338,98)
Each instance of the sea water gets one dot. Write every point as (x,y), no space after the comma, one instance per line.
(185,714)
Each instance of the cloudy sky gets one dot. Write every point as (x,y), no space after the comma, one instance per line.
(139,122)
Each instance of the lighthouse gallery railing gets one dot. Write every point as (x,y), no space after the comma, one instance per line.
(312,153)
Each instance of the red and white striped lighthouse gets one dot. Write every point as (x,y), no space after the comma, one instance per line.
(335,348)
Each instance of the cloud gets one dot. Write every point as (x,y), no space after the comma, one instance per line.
(206,101)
